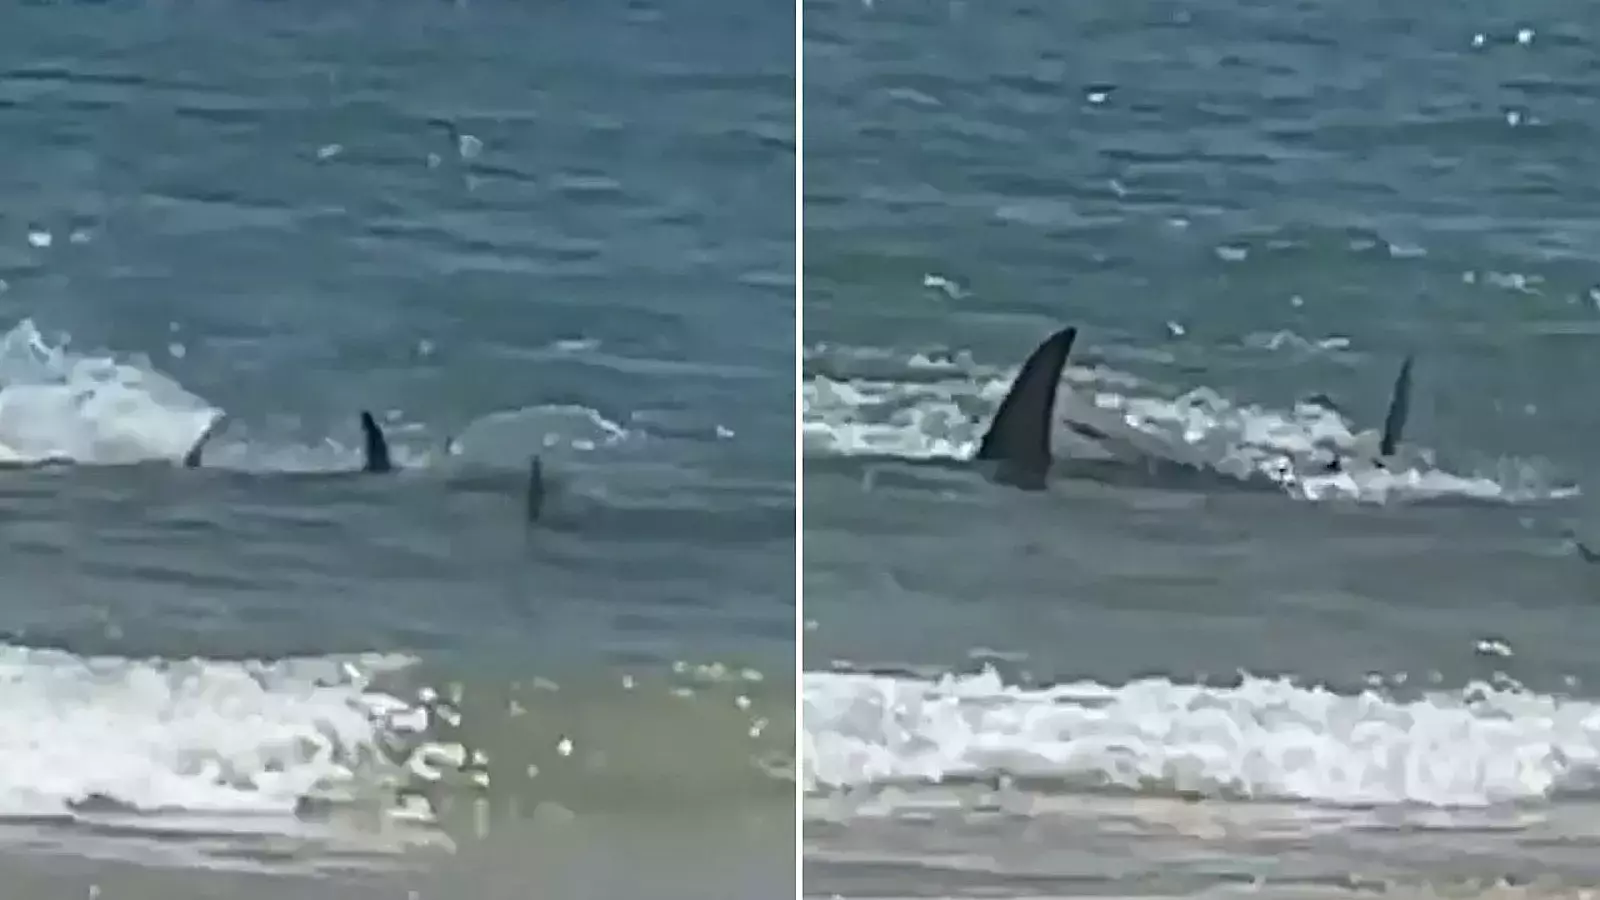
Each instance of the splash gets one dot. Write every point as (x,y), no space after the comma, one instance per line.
(58,405)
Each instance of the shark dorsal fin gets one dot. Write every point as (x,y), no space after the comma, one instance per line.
(1394,424)
(1019,435)
(375,447)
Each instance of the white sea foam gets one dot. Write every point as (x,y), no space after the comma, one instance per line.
(196,735)
(1265,738)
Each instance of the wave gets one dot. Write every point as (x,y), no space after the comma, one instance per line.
(275,746)
(1263,739)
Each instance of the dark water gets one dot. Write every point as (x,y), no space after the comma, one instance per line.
(1240,205)
(553,230)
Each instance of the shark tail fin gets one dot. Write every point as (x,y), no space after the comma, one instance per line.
(1394,424)
(375,447)
(1018,438)
(536,489)
(191,460)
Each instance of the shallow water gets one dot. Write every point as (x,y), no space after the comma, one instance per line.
(1134,683)
(507,231)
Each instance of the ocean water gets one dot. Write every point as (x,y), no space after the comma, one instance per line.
(1258,677)
(508,230)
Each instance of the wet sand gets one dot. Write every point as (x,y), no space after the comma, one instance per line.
(597,859)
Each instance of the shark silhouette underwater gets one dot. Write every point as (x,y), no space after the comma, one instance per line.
(1017,451)
(1017,448)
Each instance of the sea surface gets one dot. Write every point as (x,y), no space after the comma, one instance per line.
(508,229)
(1259,678)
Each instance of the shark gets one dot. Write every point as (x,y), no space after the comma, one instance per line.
(1017,448)
(377,459)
